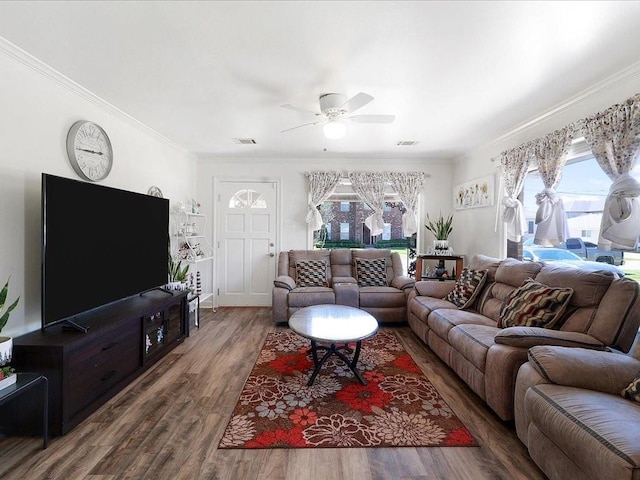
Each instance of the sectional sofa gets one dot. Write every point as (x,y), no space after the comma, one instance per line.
(594,311)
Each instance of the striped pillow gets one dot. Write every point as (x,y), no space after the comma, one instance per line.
(467,287)
(632,392)
(371,272)
(534,305)
(311,273)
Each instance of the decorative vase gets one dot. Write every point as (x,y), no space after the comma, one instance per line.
(6,350)
(441,244)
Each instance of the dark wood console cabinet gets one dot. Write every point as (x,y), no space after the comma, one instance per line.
(87,369)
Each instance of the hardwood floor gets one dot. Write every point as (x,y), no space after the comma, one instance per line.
(167,425)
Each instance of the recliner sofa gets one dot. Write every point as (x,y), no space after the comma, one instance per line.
(572,416)
(386,300)
(602,312)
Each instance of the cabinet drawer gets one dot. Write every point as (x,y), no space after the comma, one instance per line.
(93,376)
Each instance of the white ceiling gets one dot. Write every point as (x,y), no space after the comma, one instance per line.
(456,74)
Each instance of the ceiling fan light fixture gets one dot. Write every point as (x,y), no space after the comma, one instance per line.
(334,129)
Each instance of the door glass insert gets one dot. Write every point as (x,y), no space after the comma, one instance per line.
(247,198)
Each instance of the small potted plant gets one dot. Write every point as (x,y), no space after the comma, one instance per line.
(177,274)
(441,229)
(7,376)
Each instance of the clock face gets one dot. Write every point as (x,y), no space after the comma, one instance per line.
(89,151)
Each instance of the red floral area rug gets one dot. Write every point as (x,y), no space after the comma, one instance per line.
(398,406)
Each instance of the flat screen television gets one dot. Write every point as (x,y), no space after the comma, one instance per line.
(99,245)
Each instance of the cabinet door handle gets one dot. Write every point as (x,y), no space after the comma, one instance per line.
(111,345)
(109,375)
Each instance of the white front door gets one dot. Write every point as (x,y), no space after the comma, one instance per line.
(246,240)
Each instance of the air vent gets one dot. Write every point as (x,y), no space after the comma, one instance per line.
(244,141)
(406,143)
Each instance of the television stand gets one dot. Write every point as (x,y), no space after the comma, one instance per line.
(87,369)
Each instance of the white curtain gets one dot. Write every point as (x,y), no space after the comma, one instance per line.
(370,187)
(551,219)
(514,163)
(321,186)
(614,137)
(408,185)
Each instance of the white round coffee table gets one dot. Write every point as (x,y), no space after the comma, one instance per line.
(336,325)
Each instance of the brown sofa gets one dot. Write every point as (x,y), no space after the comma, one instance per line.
(571,415)
(387,303)
(603,312)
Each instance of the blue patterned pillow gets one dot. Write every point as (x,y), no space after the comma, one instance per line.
(311,273)
(371,272)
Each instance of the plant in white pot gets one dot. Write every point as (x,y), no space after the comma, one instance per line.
(6,343)
(177,274)
(441,229)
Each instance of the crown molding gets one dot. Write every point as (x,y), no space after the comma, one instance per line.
(625,75)
(21,56)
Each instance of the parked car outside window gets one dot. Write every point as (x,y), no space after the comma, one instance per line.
(566,258)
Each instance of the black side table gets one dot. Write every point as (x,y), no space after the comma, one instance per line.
(26,382)
(190,298)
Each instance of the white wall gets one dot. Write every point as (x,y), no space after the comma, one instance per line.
(37,108)
(479,223)
(294,233)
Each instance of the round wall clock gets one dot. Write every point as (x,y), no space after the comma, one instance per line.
(89,150)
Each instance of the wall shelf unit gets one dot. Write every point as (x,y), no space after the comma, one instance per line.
(194,248)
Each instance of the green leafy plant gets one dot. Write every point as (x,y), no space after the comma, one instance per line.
(6,372)
(441,228)
(3,298)
(177,273)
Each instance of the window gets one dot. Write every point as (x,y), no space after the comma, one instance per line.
(344,231)
(583,189)
(343,216)
(586,234)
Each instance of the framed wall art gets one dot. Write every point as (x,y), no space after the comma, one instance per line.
(475,193)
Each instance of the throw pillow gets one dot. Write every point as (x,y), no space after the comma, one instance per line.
(467,287)
(311,273)
(534,305)
(371,272)
(632,392)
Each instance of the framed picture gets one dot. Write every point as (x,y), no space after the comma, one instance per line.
(474,194)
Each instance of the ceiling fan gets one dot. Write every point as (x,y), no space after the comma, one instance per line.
(335,109)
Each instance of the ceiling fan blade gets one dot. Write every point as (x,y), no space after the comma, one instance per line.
(303,125)
(372,118)
(298,109)
(356,102)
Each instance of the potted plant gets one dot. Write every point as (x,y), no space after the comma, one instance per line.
(177,273)
(441,229)
(7,376)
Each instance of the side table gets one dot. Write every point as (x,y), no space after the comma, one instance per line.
(459,259)
(190,298)
(26,382)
